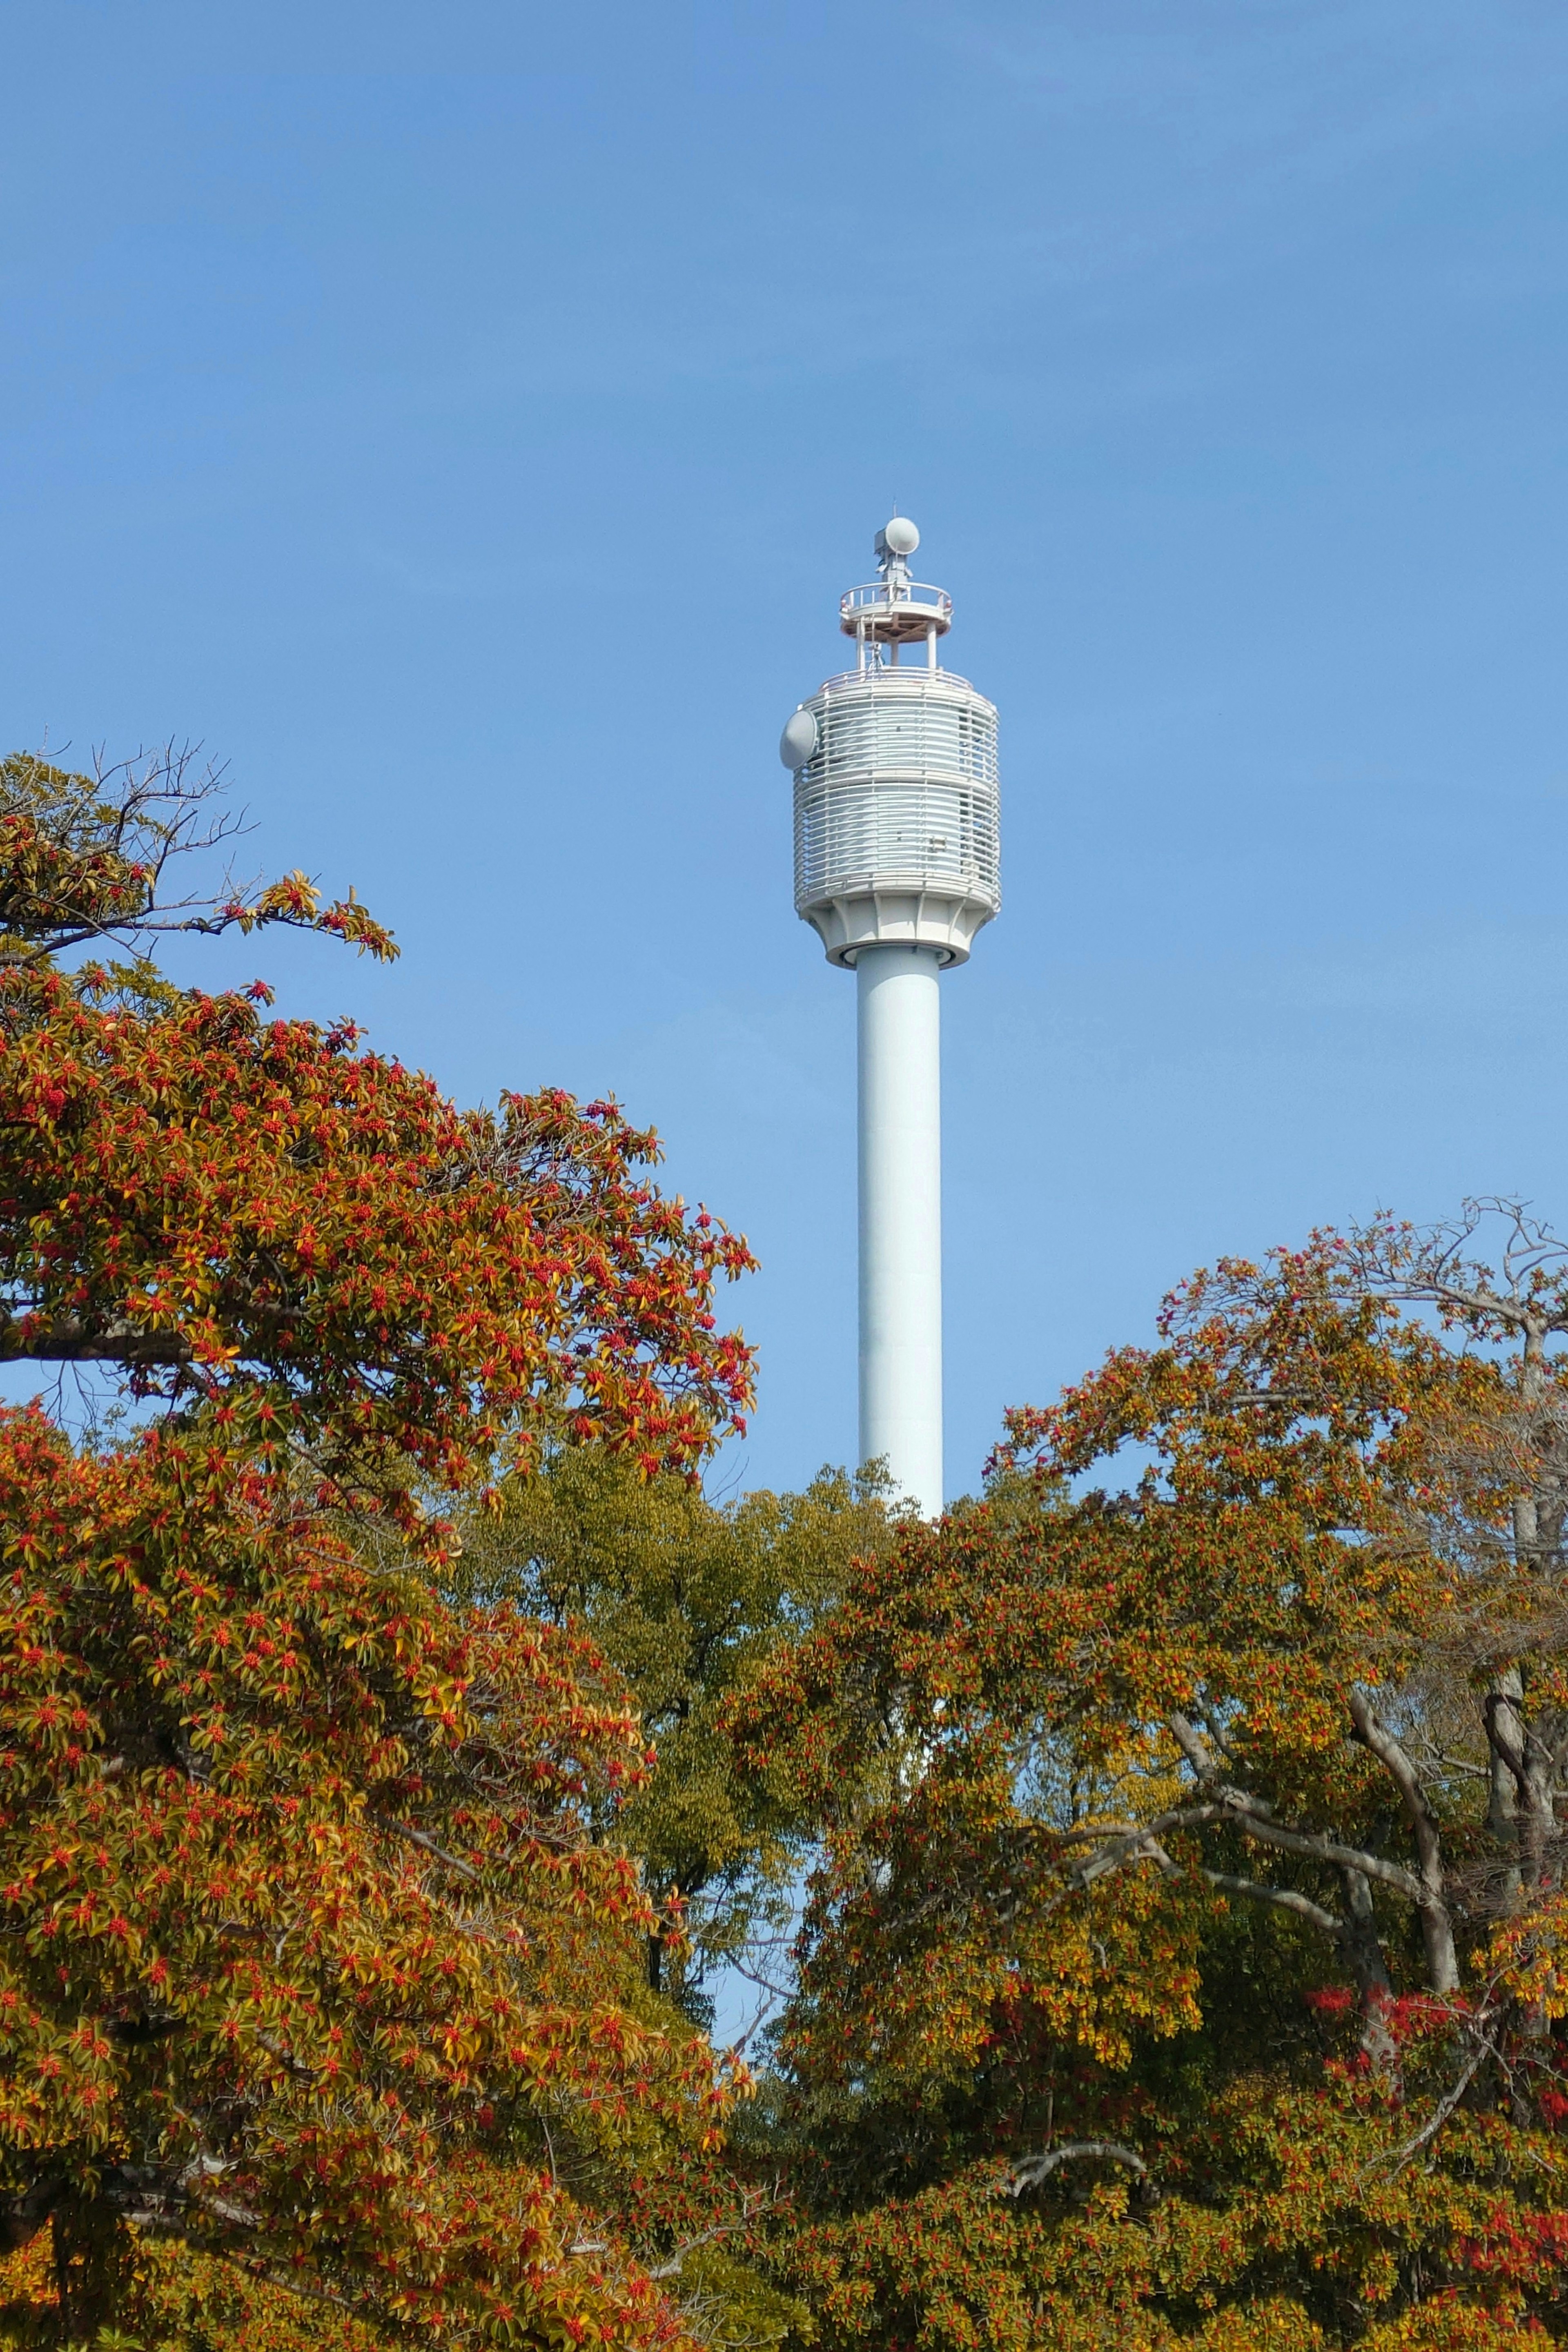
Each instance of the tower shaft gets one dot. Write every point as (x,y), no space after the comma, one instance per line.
(897,868)
(900,1052)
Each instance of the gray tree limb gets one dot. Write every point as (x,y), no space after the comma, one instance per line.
(1030,2170)
(1437,1924)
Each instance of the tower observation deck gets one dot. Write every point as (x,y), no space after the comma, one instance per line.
(895,800)
(897,866)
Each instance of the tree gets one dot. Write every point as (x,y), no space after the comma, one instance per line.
(1188,1956)
(309,1949)
(87,860)
(689,1600)
(314,1956)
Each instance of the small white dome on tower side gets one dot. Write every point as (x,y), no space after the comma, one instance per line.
(901,537)
(798,741)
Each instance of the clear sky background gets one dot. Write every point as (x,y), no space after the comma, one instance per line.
(462,420)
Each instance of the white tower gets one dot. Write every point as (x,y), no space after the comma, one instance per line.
(896,866)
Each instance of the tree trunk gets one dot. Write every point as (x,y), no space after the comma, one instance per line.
(1523,1807)
(1363,1951)
(1436,1923)
(1505,1736)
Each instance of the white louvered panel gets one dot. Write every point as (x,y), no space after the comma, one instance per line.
(901,793)
(889,834)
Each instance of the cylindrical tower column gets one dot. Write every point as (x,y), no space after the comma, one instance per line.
(897,869)
(900,1035)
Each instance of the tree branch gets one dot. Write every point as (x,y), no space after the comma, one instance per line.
(69,1340)
(1444,2109)
(1283,1898)
(1248,1814)
(1437,1927)
(670,2267)
(1030,2170)
(417,1837)
(1193,1747)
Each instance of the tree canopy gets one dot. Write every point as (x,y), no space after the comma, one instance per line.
(688,1599)
(395,1744)
(314,1956)
(1185,1957)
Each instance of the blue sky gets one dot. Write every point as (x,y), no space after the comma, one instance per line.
(463,421)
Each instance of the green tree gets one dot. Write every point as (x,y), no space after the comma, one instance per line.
(687,1599)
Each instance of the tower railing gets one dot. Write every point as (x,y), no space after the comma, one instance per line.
(863,602)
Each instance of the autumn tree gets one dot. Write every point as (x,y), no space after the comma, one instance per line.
(1187,1956)
(101,860)
(314,1956)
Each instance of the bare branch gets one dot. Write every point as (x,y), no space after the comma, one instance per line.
(755,2203)
(1235,1807)
(1397,2156)
(1283,1898)
(1194,1748)
(418,1837)
(1317,1848)
(1030,2170)
(70,1340)
(1437,1927)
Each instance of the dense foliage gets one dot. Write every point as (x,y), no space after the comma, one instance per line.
(395,1743)
(1187,1953)
(688,1599)
(314,1957)
(306,1934)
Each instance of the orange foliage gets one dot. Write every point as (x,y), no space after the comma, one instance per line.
(1167,1976)
(321,1250)
(316,1969)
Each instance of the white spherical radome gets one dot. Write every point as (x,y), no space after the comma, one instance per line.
(798,741)
(900,536)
